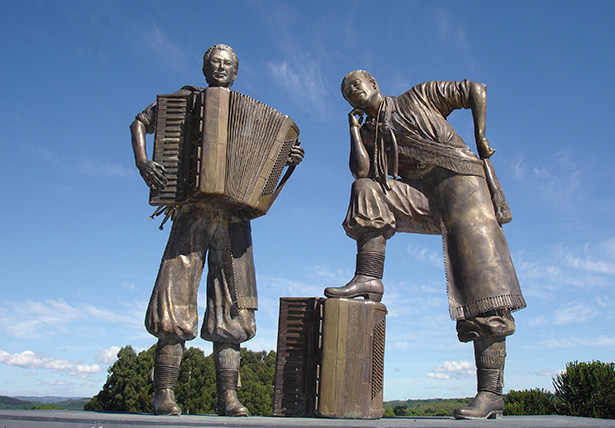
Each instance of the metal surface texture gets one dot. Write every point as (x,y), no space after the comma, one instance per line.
(205,140)
(330,359)
(415,174)
(223,148)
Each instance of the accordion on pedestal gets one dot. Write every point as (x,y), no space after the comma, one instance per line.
(330,358)
(221,147)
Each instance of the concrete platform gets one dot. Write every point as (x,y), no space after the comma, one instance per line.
(81,419)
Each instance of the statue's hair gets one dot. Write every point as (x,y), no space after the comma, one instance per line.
(221,47)
(361,73)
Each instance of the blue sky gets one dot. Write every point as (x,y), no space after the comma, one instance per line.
(78,255)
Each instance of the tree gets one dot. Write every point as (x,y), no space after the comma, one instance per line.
(128,387)
(529,402)
(257,373)
(586,389)
(388,413)
(400,410)
(196,386)
(49,406)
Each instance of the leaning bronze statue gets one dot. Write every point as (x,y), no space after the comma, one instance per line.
(218,155)
(415,174)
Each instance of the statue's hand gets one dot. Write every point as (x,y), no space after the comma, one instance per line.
(484,151)
(295,156)
(355,118)
(153,174)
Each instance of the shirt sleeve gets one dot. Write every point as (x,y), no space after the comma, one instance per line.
(445,96)
(148,118)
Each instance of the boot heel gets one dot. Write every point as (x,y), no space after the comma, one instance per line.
(497,414)
(374,296)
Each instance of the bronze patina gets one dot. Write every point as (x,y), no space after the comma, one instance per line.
(415,174)
(210,225)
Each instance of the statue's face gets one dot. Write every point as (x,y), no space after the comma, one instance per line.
(361,92)
(220,70)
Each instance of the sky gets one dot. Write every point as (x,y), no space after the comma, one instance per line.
(78,255)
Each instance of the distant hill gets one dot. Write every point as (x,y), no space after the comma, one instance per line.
(429,407)
(47,399)
(16,403)
(68,403)
(73,403)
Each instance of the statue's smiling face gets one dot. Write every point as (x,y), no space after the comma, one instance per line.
(360,92)
(220,70)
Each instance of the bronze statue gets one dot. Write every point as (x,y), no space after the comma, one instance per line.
(201,227)
(415,174)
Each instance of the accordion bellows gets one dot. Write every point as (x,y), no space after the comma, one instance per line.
(221,147)
(330,358)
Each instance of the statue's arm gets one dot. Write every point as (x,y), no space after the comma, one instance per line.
(478,104)
(152,172)
(359,158)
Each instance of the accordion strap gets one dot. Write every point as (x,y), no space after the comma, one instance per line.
(284,179)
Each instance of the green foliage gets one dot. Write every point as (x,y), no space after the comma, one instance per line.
(388,413)
(196,386)
(432,407)
(49,406)
(15,403)
(257,374)
(129,387)
(529,402)
(586,389)
(72,404)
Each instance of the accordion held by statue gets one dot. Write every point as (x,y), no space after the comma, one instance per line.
(221,147)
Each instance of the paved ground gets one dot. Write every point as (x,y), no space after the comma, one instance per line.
(80,419)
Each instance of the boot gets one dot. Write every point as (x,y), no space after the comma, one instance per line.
(490,354)
(367,281)
(227,358)
(166,370)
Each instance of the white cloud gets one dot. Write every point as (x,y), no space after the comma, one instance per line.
(273,286)
(426,255)
(556,181)
(30,360)
(88,167)
(108,356)
(575,312)
(590,264)
(450,33)
(159,46)
(86,370)
(452,369)
(302,78)
(575,342)
(399,345)
(95,168)
(535,322)
(328,276)
(584,266)
(30,319)
(549,373)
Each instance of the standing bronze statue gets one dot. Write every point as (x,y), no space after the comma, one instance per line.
(212,225)
(415,174)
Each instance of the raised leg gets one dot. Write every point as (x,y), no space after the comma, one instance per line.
(367,281)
